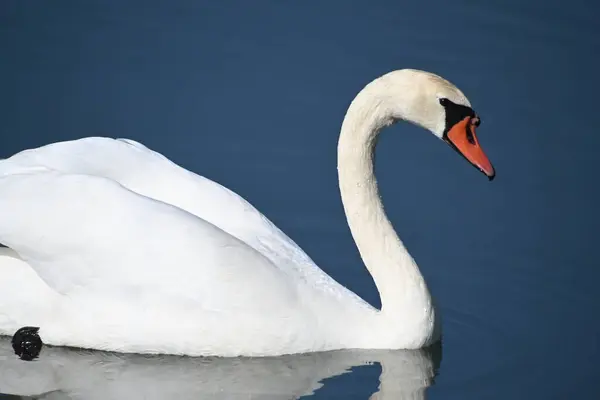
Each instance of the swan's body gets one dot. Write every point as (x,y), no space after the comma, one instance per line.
(117,248)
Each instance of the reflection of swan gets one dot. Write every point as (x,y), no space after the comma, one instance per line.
(123,267)
(65,373)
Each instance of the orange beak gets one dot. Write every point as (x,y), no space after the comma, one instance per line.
(464,140)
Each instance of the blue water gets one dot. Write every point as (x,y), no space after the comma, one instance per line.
(252,95)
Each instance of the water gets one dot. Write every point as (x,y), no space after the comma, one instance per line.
(252,95)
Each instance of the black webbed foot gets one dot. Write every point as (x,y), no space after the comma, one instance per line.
(26,343)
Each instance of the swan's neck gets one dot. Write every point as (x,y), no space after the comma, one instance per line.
(400,284)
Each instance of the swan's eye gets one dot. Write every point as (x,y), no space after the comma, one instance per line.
(475,121)
(444,101)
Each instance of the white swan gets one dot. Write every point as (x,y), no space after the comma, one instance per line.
(117,248)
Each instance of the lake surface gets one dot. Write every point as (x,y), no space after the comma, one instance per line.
(252,95)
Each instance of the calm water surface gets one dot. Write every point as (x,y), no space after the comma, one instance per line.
(252,95)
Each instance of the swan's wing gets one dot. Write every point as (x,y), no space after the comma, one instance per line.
(149,173)
(86,234)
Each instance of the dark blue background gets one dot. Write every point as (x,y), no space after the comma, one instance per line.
(252,95)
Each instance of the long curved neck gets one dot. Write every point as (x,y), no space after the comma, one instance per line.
(397,277)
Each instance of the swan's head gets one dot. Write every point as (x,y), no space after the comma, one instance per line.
(435,104)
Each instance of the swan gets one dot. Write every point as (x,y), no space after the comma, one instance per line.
(112,246)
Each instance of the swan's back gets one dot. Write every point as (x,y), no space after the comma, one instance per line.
(151,174)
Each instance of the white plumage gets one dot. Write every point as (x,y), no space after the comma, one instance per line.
(118,248)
